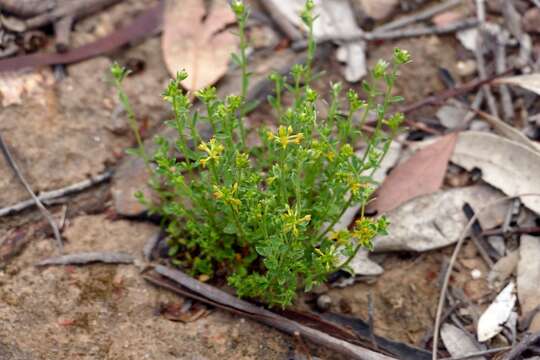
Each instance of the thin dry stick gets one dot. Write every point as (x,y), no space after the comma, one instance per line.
(41,207)
(479,353)
(500,66)
(47,196)
(453,259)
(396,34)
(421,16)
(479,55)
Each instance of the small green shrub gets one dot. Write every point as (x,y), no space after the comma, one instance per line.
(263,215)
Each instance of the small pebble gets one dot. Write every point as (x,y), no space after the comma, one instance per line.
(466,67)
(476,274)
(324,302)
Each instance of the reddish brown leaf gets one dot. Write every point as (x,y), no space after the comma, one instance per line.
(197,41)
(421,174)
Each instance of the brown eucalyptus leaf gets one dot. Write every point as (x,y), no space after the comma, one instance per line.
(195,39)
(423,173)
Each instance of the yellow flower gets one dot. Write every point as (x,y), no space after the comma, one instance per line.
(285,136)
(227,195)
(292,221)
(213,149)
(330,155)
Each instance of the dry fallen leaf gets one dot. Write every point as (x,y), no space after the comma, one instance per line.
(436,220)
(492,320)
(507,165)
(421,174)
(458,343)
(197,41)
(530,82)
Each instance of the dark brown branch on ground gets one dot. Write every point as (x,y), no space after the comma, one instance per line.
(210,295)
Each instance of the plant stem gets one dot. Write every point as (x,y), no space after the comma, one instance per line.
(245,79)
(334,222)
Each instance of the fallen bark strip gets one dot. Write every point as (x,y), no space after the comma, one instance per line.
(288,326)
(143,26)
(83,258)
(46,214)
(47,196)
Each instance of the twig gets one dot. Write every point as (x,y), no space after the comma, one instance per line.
(46,214)
(420,16)
(479,55)
(47,196)
(500,65)
(77,9)
(453,259)
(533,230)
(394,35)
(522,346)
(228,302)
(476,104)
(454,92)
(89,257)
(62,32)
(432,30)
(479,353)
